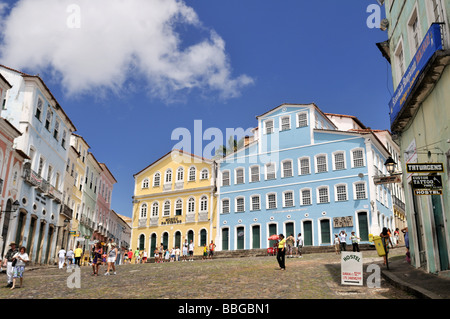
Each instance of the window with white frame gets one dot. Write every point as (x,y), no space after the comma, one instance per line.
(192,173)
(179,207)
(339,160)
(168,178)
(414,32)
(56,130)
(155,209)
(305,195)
(239,175)
(145,183)
(48,119)
(225,206)
(321,163)
(255,202)
(400,61)
(323,195)
(191,205)
(204,203)
(180,174)
(240,204)
(225,178)
(254,173)
(204,174)
(360,190)
(270,171)
(341,192)
(268,125)
(39,107)
(287,168)
(143,211)
(285,122)
(271,201)
(156,179)
(358,158)
(166,209)
(304,166)
(288,199)
(302,119)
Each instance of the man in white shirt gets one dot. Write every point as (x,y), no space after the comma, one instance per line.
(299,245)
(62,257)
(191,251)
(342,240)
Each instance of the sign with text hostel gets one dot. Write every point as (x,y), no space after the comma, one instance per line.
(351,268)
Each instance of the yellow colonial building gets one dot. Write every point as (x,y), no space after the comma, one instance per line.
(174,200)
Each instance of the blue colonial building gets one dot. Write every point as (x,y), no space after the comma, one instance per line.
(304,172)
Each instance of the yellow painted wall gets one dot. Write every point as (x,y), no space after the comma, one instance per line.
(186,189)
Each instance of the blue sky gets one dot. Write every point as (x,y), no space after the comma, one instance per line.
(294,51)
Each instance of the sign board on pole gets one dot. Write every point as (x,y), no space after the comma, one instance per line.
(378,180)
(351,268)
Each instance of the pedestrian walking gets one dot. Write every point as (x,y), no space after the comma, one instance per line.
(337,244)
(7,262)
(69,256)
(62,257)
(136,256)
(97,259)
(290,240)
(406,235)
(299,245)
(172,254)
(112,255)
(167,256)
(343,240)
(177,253)
(144,256)
(161,252)
(212,246)
(281,252)
(191,251)
(130,256)
(355,242)
(78,253)
(396,237)
(21,258)
(386,240)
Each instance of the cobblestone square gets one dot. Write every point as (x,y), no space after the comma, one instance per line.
(315,276)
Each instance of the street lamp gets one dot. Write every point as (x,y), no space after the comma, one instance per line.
(14,207)
(390,165)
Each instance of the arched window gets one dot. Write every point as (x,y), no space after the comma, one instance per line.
(180,174)
(155,209)
(192,173)
(144,210)
(178,207)
(156,179)
(204,203)
(145,183)
(166,211)
(205,174)
(191,205)
(168,178)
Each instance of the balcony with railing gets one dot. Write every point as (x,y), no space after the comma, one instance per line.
(66,211)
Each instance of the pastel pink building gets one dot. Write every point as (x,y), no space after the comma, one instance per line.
(105,187)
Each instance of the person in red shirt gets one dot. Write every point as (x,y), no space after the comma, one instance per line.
(211,249)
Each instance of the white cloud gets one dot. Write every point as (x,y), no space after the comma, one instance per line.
(107,42)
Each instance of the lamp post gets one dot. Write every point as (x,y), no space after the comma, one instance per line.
(390,165)
(14,207)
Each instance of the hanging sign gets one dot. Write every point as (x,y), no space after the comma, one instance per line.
(425,168)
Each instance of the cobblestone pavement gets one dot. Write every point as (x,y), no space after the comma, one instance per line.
(313,276)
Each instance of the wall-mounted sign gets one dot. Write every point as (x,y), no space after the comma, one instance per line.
(431,43)
(428,192)
(387,179)
(339,222)
(427,182)
(171,221)
(425,168)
